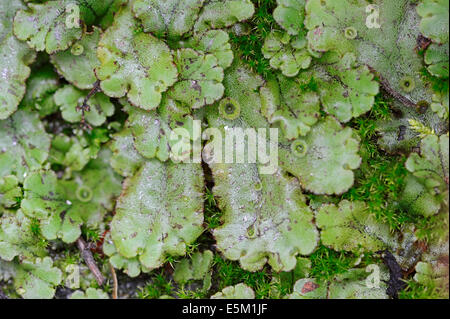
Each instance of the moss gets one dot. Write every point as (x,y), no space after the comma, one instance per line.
(415,290)
(249,46)
(380,179)
(157,287)
(228,273)
(326,263)
(379,182)
(91,234)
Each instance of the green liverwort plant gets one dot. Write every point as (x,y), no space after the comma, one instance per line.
(224,149)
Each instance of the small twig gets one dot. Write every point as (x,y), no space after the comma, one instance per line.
(84,107)
(385,85)
(115,283)
(422,43)
(421,247)
(89,260)
(403,99)
(396,282)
